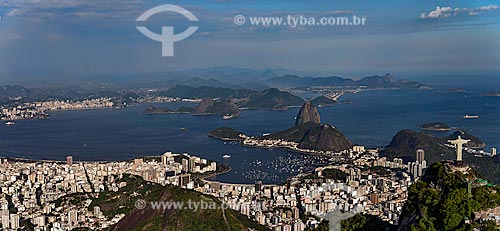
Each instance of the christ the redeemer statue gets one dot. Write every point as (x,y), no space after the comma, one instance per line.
(458,144)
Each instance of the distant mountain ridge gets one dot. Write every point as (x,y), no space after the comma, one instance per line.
(375,81)
(271,98)
(235,77)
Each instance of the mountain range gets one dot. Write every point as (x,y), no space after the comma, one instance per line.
(375,81)
(233,77)
(226,101)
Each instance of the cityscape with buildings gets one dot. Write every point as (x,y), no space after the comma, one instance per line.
(222,115)
(41,109)
(32,190)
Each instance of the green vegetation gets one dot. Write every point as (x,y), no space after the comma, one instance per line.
(440,201)
(225,133)
(334,174)
(123,202)
(323,226)
(379,170)
(365,222)
(72,199)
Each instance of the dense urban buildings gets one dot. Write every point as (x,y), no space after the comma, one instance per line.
(371,184)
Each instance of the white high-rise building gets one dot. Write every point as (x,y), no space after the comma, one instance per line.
(493,151)
(72,218)
(97,211)
(5,222)
(14,221)
(165,157)
(39,221)
(420,155)
(359,149)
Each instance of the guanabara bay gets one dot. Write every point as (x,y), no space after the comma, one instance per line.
(224,115)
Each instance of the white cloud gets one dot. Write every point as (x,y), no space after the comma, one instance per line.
(43,10)
(446,12)
(489,7)
(439,12)
(14,12)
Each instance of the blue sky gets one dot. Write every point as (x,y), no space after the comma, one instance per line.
(74,38)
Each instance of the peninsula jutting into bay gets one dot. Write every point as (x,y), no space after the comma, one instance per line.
(307,136)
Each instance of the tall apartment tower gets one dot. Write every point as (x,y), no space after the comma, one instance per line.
(420,155)
(69,160)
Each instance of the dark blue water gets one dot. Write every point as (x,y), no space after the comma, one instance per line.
(117,134)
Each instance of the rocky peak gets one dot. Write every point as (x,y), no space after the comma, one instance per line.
(308,113)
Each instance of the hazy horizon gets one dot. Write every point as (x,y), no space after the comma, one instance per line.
(73,40)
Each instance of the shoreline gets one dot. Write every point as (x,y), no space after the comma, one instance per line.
(436,130)
(291,149)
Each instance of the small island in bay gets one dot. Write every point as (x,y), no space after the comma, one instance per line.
(152,110)
(226,134)
(435,126)
(208,106)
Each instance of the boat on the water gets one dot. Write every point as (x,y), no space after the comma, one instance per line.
(471,117)
(10,123)
(226,156)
